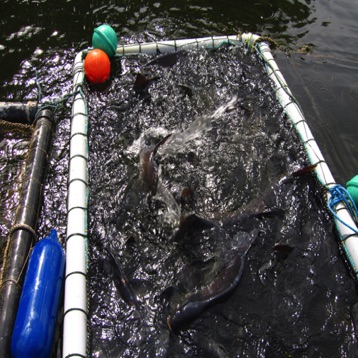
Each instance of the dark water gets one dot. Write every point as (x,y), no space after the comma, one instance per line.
(39,33)
(216,158)
(36,34)
(299,305)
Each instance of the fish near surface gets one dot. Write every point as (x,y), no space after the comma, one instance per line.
(121,282)
(148,167)
(192,223)
(167,60)
(140,87)
(222,286)
(142,83)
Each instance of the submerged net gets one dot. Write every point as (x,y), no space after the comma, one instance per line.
(175,217)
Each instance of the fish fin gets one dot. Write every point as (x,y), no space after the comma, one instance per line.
(305,170)
(142,83)
(160,143)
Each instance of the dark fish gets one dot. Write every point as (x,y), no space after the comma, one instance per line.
(258,207)
(187,199)
(121,282)
(283,249)
(120,107)
(167,60)
(186,90)
(305,170)
(142,83)
(191,223)
(272,213)
(140,87)
(148,167)
(220,288)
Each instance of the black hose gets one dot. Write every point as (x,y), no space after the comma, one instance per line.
(22,235)
(18,112)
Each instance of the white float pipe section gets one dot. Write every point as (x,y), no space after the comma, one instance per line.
(175,45)
(76,302)
(348,237)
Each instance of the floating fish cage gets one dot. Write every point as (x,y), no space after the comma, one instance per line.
(76,301)
(75,284)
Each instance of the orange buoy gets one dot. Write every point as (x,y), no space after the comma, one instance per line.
(97,66)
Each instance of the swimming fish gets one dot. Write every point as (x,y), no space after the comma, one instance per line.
(305,170)
(188,91)
(142,83)
(282,250)
(148,167)
(121,282)
(140,88)
(300,173)
(187,198)
(224,284)
(167,60)
(191,223)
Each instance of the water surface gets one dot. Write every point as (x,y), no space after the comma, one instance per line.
(310,292)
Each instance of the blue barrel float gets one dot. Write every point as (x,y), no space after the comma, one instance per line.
(37,313)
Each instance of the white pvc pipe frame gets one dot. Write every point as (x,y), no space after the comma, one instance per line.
(76,301)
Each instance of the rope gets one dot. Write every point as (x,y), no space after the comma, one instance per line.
(266,39)
(14,228)
(57,103)
(23,227)
(340,195)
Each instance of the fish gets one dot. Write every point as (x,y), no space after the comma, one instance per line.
(188,91)
(222,286)
(297,174)
(167,60)
(121,282)
(190,223)
(187,198)
(305,170)
(282,250)
(148,167)
(142,83)
(140,88)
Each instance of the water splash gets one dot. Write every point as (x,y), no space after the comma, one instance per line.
(196,129)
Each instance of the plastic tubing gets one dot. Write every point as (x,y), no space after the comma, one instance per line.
(23,232)
(175,45)
(349,238)
(18,112)
(76,303)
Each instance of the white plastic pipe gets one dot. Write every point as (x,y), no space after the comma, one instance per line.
(76,302)
(175,45)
